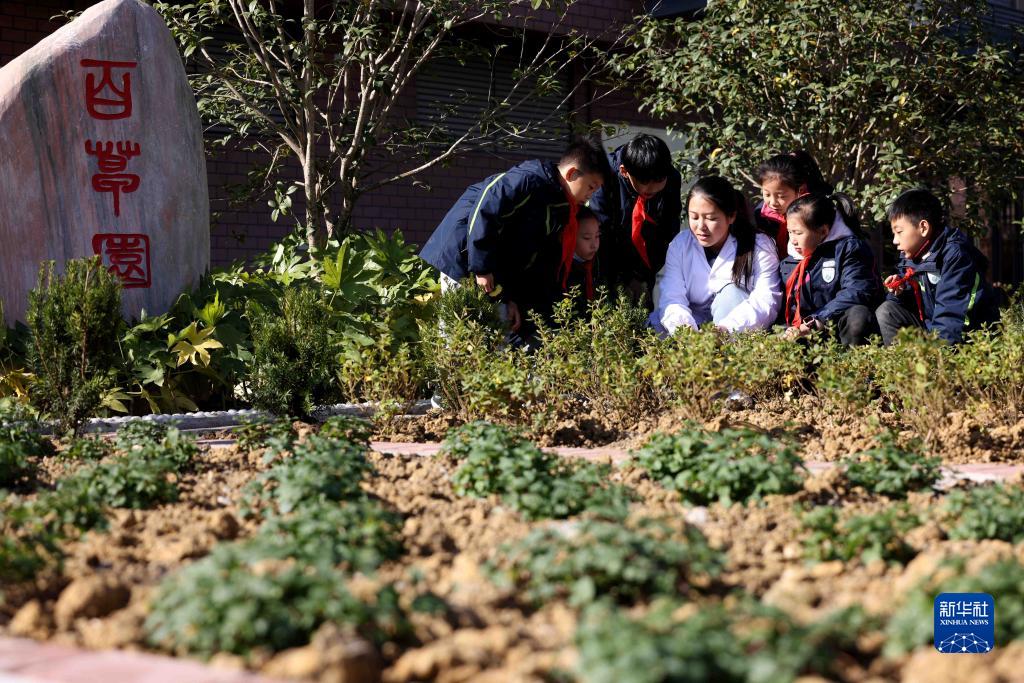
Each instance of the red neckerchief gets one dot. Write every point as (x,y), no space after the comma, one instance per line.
(782,235)
(793,286)
(909,279)
(588,271)
(640,216)
(569,235)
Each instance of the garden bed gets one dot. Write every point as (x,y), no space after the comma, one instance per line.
(476,609)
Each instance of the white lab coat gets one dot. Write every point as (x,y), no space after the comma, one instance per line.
(688,284)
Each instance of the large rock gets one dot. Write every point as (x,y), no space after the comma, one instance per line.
(102,153)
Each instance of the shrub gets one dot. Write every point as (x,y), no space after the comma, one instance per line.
(320,469)
(20,441)
(76,323)
(15,465)
(629,563)
(125,482)
(730,466)
(912,624)
(236,600)
(991,511)
(865,537)
(747,643)
(293,365)
(890,470)
(537,484)
(359,534)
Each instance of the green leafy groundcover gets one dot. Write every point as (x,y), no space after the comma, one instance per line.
(495,461)
(730,466)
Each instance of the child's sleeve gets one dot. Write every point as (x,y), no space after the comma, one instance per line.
(954,297)
(673,290)
(499,198)
(858,283)
(760,309)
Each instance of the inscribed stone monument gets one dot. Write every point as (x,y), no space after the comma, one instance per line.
(102,154)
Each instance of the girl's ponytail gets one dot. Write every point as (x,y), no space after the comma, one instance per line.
(817,210)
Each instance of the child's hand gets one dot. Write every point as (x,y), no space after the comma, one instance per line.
(889,284)
(514,318)
(793,333)
(486,281)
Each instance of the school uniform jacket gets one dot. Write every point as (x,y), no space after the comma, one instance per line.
(954,294)
(500,225)
(688,285)
(613,203)
(841,274)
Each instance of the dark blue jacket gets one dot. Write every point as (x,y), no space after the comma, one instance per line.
(613,203)
(954,293)
(841,274)
(500,225)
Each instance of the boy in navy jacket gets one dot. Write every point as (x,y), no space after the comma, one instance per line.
(830,280)
(499,226)
(639,214)
(940,284)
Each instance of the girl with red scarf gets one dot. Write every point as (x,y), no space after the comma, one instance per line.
(782,179)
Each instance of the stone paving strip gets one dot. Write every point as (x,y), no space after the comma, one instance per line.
(28,661)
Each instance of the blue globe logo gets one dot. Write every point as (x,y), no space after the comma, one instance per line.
(963,643)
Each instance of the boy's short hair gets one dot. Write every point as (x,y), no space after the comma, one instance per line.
(585,214)
(647,158)
(587,155)
(917,205)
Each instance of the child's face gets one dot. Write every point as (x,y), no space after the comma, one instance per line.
(581,185)
(588,239)
(708,223)
(910,237)
(803,238)
(777,194)
(645,190)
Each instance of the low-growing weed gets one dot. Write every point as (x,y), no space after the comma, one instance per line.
(15,464)
(276,436)
(868,537)
(88,448)
(747,643)
(320,469)
(125,482)
(730,466)
(912,623)
(150,441)
(536,483)
(359,534)
(354,429)
(27,544)
(236,600)
(627,562)
(890,470)
(992,511)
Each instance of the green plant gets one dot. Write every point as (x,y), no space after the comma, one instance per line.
(125,482)
(236,600)
(868,537)
(293,365)
(358,534)
(27,544)
(348,427)
(277,437)
(891,470)
(75,321)
(320,469)
(991,511)
(746,643)
(630,563)
(730,466)
(88,448)
(537,484)
(912,623)
(15,465)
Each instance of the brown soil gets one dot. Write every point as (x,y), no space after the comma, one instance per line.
(825,435)
(100,599)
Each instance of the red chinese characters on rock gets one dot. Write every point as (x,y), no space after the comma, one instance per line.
(103,98)
(126,256)
(113,162)
(108,96)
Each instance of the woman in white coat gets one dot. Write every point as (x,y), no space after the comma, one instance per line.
(721,270)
